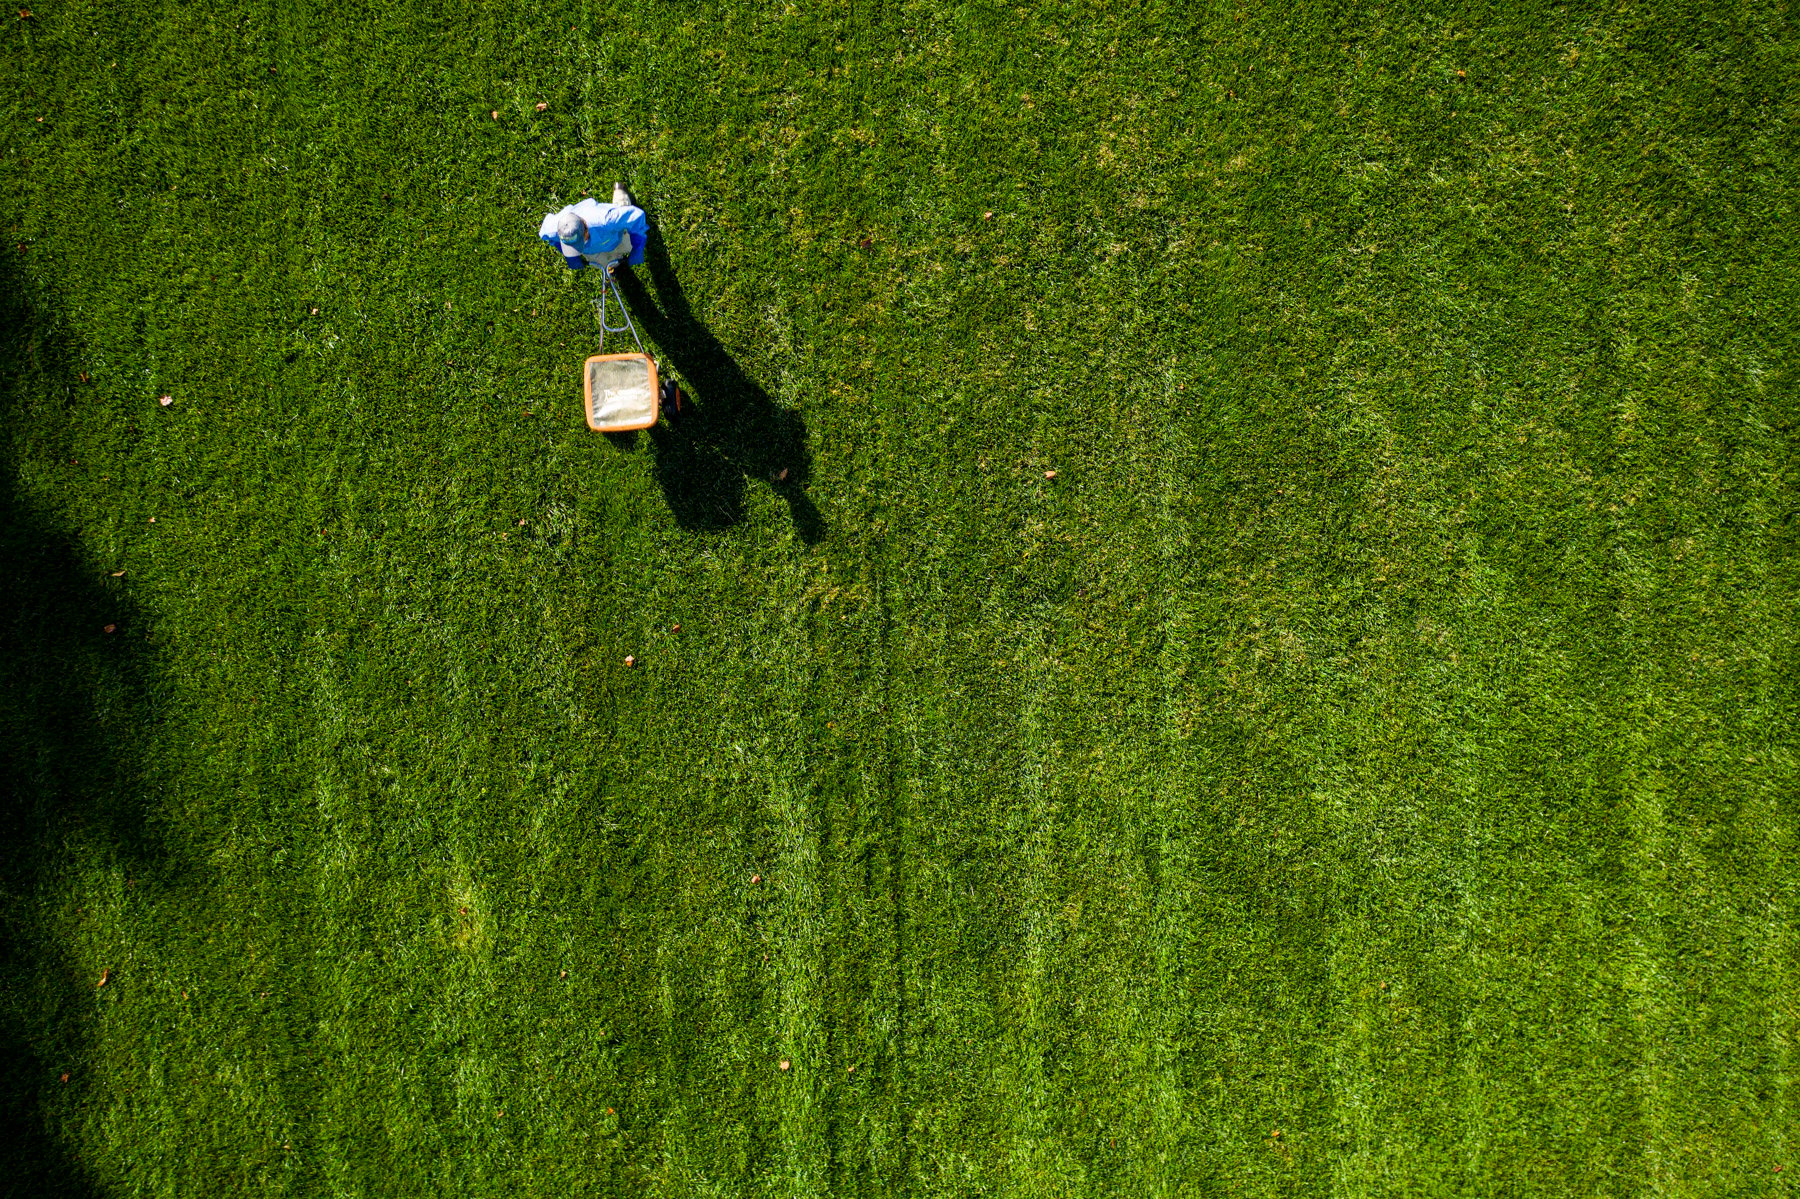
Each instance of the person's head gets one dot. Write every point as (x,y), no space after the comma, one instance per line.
(571,229)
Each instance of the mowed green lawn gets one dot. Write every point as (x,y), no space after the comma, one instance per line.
(1271,670)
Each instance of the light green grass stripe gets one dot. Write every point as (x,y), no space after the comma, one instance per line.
(798,952)
(1170,1022)
(1037,1163)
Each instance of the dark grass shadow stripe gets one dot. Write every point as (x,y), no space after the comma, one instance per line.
(76,680)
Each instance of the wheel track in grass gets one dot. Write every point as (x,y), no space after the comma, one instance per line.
(798,957)
(1037,1162)
(1173,869)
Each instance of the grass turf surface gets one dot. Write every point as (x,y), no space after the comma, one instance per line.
(1367,767)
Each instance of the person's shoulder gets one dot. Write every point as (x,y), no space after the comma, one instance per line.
(591,210)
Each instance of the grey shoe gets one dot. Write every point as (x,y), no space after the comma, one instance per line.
(621,196)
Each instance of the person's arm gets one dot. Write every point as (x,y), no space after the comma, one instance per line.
(639,228)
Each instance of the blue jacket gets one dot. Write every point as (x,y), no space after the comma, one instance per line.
(605,223)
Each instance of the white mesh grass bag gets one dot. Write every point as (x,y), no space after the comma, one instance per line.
(621,392)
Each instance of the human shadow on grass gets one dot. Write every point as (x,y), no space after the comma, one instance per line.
(76,679)
(730,432)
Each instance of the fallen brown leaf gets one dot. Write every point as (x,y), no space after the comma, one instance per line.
(109,628)
(1049,474)
(542,106)
(105,974)
(630,661)
(165,401)
(784,1063)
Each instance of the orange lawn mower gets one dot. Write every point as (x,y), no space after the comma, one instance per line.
(623,393)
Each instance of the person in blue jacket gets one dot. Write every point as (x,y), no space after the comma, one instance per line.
(590,233)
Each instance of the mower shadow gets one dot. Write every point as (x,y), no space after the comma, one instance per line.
(730,430)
